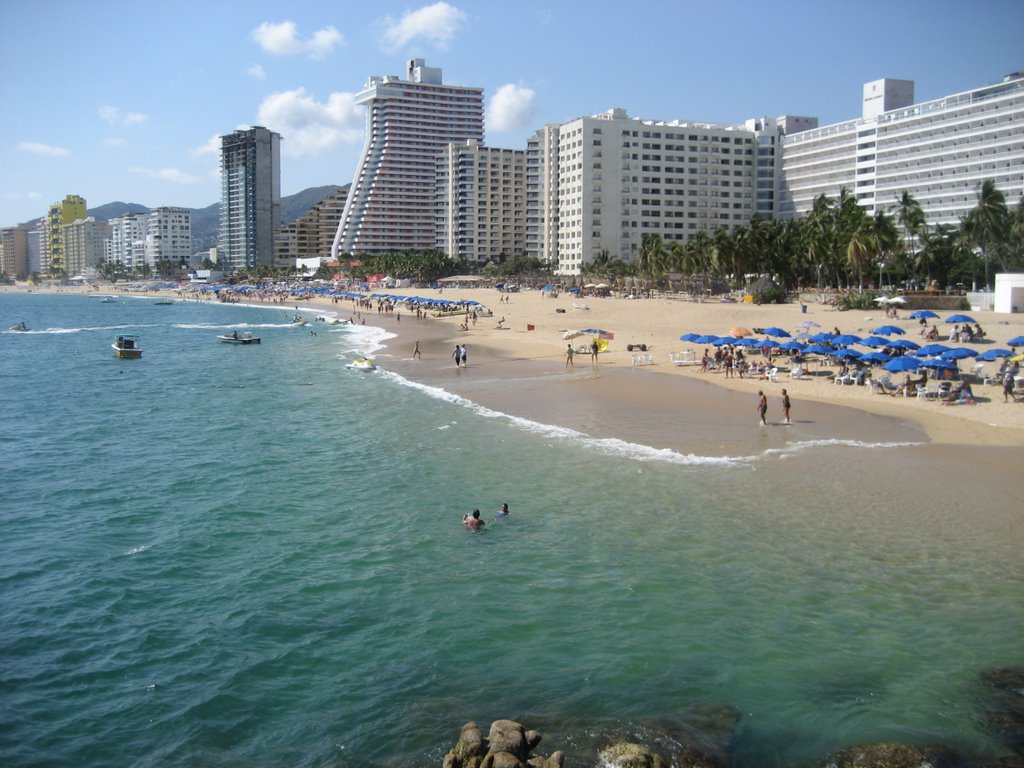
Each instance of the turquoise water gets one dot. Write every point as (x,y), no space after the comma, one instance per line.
(223,555)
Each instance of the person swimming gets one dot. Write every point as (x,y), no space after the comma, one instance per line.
(503,512)
(473,521)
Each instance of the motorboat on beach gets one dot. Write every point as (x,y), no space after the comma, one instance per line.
(239,338)
(20,327)
(126,346)
(362,364)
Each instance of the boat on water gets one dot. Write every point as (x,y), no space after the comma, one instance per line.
(108,300)
(299,320)
(239,338)
(127,346)
(362,364)
(164,302)
(19,327)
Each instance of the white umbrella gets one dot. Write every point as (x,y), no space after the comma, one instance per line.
(571,334)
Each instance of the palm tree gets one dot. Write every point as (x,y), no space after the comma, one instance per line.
(883,231)
(988,222)
(911,217)
(860,250)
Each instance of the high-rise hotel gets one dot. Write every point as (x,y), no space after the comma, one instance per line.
(250,200)
(390,206)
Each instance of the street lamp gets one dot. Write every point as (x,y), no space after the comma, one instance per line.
(881,266)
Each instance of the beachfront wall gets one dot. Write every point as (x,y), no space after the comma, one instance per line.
(1009,293)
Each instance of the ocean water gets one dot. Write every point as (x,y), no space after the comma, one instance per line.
(221,555)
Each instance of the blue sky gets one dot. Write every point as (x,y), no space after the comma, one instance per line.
(123,101)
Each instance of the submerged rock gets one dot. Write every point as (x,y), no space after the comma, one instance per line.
(626,755)
(896,756)
(1004,715)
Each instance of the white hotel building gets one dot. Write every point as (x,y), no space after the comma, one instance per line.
(939,151)
(391,205)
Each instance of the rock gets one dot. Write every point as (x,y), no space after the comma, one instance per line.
(501,760)
(1005,713)
(895,756)
(508,736)
(470,749)
(533,739)
(625,755)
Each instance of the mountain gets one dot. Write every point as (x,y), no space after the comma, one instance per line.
(206,221)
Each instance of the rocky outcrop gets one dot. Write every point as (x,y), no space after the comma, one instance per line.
(508,745)
(895,756)
(1004,715)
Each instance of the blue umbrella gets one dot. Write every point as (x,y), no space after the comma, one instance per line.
(747,343)
(874,341)
(846,339)
(765,344)
(777,332)
(1016,341)
(958,354)
(932,350)
(925,313)
(936,364)
(708,338)
(847,354)
(959,319)
(905,344)
(889,330)
(901,364)
(689,337)
(792,346)
(818,349)
(825,336)
(875,357)
(993,354)
(723,341)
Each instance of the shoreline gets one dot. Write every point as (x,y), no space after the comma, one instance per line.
(515,353)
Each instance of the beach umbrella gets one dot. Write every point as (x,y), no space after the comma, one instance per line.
(824,337)
(722,341)
(917,314)
(897,300)
(548,287)
(600,333)
(937,364)
(993,354)
(959,319)
(875,357)
(932,350)
(749,343)
(874,341)
(817,349)
(738,331)
(808,324)
(902,364)
(846,339)
(847,354)
(958,354)
(889,330)
(1016,341)
(905,344)
(706,339)
(571,334)
(775,332)
(882,299)
(689,337)
(792,346)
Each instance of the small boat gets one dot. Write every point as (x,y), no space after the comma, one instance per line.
(164,302)
(20,327)
(108,300)
(127,346)
(362,364)
(239,338)
(299,320)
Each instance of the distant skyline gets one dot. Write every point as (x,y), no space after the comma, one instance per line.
(126,102)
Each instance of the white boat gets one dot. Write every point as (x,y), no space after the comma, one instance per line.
(164,302)
(126,346)
(362,364)
(108,300)
(239,338)
(20,327)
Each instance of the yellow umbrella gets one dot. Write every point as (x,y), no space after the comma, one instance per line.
(1017,358)
(739,332)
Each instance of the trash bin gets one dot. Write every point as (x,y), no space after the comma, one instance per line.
(803,309)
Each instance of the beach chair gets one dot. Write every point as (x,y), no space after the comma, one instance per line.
(648,359)
(922,392)
(976,370)
(773,374)
(636,359)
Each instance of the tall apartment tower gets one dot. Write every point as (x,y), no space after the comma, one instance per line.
(85,246)
(939,151)
(391,205)
(127,242)
(250,199)
(61,214)
(14,251)
(169,236)
(481,213)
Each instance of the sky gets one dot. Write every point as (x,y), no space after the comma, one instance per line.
(119,101)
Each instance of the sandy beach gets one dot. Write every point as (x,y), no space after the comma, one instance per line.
(617,398)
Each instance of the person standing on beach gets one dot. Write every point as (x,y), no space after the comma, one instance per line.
(569,352)
(762,406)
(457,354)
(593,351)
(416,350)
(463,353)
(785,407)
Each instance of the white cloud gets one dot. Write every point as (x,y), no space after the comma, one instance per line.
(211,147)
(309,127)
(43,149)
(283,40)
(115,141)
(22,195)
(113,116)
(256,72)
(511,108)
(437,23)
(165,174)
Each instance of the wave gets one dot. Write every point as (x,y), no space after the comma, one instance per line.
(612,446)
